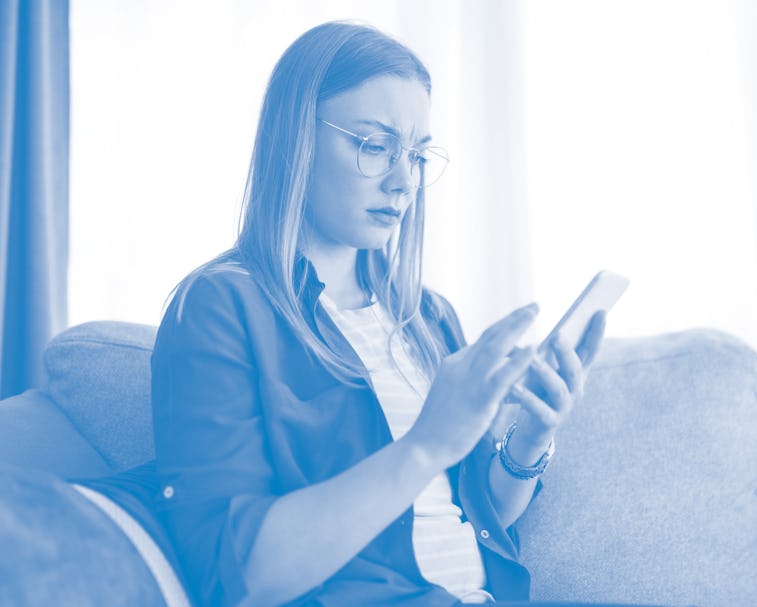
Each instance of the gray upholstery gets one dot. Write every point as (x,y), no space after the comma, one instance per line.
(99,375)
(652,495)
(35,433)
(58,549)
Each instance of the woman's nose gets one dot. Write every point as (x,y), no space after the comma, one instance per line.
(402,177)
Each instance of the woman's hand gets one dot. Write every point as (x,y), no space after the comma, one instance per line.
(550,393)
(469,387)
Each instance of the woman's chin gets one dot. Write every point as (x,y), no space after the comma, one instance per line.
(376,238)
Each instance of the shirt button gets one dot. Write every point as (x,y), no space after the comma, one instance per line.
(168,492)
(484,534)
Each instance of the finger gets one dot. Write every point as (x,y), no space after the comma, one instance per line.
(592,338)
(498,340)
(550,386)
(457,354)
(569,365)
(535,406)
(502,379)
(500,363)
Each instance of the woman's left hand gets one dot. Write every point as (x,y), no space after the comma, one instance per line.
(549,394)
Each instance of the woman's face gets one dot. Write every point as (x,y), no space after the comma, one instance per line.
(345,209)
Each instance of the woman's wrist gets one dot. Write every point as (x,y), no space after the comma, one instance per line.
(422,451)
(527,450)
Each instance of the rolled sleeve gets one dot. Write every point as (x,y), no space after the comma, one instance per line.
(478,506)
(507,578)
(212,457)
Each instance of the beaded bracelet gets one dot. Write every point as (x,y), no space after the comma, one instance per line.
(523,472)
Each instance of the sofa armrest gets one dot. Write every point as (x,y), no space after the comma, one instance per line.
(61,549)
(35,433)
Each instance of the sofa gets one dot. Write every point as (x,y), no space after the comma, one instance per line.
(651,496)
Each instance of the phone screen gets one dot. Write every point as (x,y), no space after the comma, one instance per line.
(601,294)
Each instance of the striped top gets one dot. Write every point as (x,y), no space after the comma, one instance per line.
(445,547)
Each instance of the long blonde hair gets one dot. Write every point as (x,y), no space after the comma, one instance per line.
(325,61)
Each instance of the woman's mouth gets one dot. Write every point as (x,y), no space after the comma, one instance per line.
(387,216)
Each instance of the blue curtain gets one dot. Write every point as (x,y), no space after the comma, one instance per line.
(34,159)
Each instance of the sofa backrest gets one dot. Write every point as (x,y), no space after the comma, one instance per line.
(98,374)
(652,494)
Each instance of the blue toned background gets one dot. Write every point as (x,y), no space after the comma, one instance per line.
(599,134)
(583,135)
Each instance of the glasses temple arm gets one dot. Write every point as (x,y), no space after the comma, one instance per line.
(338,128)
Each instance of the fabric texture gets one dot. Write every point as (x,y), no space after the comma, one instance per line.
(99,375)
(34,159)
(653,487)
(154,557)
(683,546)
(136,491)
(229,374)
(36,434)
(60,549)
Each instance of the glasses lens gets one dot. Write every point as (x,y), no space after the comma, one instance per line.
(380,151)
(377,154)
(432,162)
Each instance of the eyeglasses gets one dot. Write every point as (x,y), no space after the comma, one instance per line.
(379,152)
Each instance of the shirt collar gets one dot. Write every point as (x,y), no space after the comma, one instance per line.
(306,281)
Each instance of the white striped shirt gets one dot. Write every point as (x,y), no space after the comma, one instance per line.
(445,547)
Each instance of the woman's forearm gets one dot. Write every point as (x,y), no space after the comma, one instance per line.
(512,495)
(309,534)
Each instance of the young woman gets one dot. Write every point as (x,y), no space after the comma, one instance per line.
(324,436)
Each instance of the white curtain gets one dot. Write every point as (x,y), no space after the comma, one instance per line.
(638,158)
(745,18)
(583,135)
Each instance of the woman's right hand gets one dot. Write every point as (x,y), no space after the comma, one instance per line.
(468,389)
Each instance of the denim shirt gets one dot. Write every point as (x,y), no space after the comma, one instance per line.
(243,410)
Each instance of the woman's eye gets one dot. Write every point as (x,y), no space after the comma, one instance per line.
(374,148)
(417,157)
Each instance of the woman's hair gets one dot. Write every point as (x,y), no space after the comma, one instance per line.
(322,63)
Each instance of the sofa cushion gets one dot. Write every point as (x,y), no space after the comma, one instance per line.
(652,494)
(34,433)
(158,557)
(99,375)
(60,549)
(135,492)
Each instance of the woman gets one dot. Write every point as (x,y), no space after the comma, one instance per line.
(324,436)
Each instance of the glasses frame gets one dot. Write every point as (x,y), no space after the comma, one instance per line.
(413,154)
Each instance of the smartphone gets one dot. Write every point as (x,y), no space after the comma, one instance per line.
(601,294)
